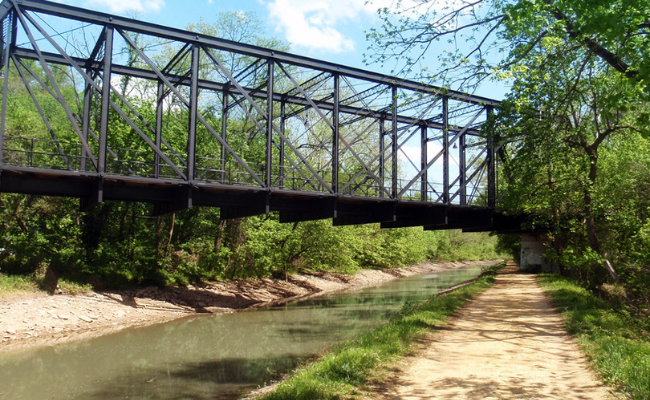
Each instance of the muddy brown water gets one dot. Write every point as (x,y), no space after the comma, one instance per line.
(212,356)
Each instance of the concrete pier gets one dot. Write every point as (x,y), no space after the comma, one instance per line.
(533,247)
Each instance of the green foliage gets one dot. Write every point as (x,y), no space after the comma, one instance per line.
(574,128)
(616,342)
(509,244)
(501,39)
(16,285)
(349,365)
(118,244)
(36,232)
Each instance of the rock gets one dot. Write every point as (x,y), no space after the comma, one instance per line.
(63,316)
(217,310)
(84,318)
(11,331)
(201,304)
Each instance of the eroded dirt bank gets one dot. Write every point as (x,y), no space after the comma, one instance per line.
(48,320)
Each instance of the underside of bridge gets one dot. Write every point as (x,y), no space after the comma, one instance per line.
(134,111)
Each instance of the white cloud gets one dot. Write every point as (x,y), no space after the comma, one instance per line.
(413,152)
(319,24)
(316,24)
(118,6)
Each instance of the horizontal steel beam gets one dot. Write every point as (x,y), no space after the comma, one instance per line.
(228,88)
(174,195)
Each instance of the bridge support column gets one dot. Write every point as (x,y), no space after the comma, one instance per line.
(532,249)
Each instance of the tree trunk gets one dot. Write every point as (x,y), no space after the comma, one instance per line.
(218,240)
(16,214)
(171,233)
(590,222)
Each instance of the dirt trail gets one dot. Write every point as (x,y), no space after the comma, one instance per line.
(507,343)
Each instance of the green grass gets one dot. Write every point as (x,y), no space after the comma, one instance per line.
(616,343)
(341,372)
(21,285)
(16,285)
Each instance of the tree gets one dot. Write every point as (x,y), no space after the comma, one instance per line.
(492,38)
(579,72)
(556,171)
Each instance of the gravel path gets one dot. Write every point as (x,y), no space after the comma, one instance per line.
(507,343)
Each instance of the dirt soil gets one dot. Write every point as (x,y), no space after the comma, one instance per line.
(507,343)
(40,320)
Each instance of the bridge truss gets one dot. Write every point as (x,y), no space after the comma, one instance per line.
(134,111)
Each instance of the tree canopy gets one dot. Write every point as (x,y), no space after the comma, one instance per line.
(579,75)
(497,38)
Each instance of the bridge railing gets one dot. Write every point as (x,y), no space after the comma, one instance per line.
(116,97)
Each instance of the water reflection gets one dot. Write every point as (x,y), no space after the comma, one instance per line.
(209,357)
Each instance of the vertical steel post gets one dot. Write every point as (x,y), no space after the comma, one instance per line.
(462,170)
(335,135)
(194,105)
(394,140)
(224,131)
(445,150)
(85,124)
(269,123)
(490,163)
(424,140)
(283,120)
(3,40)
(159,125)
(382,153)
(106,99)
(9,42)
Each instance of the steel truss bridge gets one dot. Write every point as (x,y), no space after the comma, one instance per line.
(129,110)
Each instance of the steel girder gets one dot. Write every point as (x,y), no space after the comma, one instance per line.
(137,111)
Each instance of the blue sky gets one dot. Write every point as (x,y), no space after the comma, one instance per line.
(331,30)
(328,29)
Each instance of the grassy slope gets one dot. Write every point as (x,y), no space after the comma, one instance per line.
(16,286)
(617,344)
(21,285)
(350,365)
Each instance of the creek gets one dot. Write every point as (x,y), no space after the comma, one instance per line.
(212,356)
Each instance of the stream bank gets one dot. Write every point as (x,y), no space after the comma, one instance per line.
(43,320)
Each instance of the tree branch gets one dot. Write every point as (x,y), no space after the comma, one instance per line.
(610,58)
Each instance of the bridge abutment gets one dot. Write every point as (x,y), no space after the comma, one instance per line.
(532,251)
